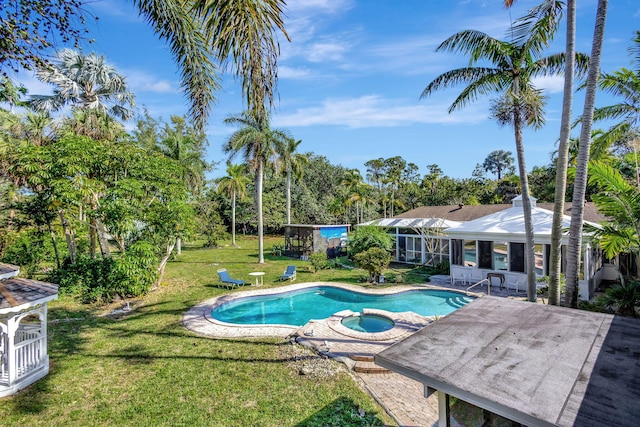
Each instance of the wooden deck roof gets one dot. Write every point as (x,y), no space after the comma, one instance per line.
(536,364)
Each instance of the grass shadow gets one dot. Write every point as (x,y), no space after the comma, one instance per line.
(341,412)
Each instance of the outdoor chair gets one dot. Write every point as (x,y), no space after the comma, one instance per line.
(227,281)
(475,276)
(290,273)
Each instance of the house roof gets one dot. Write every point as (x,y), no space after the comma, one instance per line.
(508,224)
(17,293)
(471,212)
(535,364)
(413,222)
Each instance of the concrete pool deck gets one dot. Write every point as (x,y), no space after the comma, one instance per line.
(400,396)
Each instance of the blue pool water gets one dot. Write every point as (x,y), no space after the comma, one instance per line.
(296,308)
(368,323)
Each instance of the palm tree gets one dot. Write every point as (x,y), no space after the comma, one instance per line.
(515,63)
(235,185)
(84,81)
(259,145)
(624,83)
(580,182)
(619,201)
(563,158)
(292,164)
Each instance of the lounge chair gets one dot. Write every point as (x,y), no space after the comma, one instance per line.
(227,280)
(290,273)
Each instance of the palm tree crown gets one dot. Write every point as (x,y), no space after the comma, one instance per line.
(85,81)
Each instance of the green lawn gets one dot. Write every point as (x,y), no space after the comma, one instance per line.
(145,368)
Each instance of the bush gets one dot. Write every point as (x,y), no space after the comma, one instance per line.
(136,271)
(622,299)
(443,267)
(374,260)
(364,238)
(28,250)
(319,261)
(105,279)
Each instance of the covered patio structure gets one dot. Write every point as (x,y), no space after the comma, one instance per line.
(23,329)
(492,247)
(532,364)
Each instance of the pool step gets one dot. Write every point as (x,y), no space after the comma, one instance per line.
(366,365)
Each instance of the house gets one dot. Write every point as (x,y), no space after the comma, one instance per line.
(487,241)
(23,329)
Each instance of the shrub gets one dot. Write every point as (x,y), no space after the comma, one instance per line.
(136,271)
(374,260)
(364,238)
(319,261)
(622,299)
(28,250)
(105,279)
(443,267)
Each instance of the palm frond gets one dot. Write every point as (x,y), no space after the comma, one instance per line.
(634,50)
(458,76)
(478,45)
(243,33)
(488,82)
(535,30)
(172,21)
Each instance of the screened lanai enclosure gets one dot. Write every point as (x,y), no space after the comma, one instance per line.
(302,240)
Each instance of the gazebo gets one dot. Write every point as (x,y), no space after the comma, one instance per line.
(23,329)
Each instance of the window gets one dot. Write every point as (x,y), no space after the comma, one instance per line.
(457,253)
(500,256)
(470,252)
(516,257)
(485,254)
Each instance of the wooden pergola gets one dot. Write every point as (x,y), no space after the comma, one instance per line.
(23,329)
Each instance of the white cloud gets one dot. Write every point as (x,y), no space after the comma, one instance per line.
(551,84)
(285,72)
(375,111)
(141,81)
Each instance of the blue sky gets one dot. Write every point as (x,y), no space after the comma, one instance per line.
(351,78)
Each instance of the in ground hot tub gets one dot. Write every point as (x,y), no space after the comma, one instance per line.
(370,323)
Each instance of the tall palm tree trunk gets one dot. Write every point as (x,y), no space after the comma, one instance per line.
(233,219)
(526,206)
(563,158)
(259,172)
(289,197)
(580,184)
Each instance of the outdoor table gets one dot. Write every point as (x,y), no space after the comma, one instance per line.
(259,275)
(497,275)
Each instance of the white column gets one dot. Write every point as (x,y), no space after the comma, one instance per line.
(443,409)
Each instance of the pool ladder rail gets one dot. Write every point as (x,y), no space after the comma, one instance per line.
(479,283)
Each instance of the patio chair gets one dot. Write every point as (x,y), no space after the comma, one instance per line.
(227,281)
(475,276)
(290,273)
(458,277)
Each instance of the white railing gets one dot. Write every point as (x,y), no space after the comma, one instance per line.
(28,355)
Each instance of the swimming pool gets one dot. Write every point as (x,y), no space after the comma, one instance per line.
(297,307)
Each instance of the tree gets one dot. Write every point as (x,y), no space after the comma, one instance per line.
(29,28)
(374,260)
(239,35)
(515,64)
(624,83)
(563,158)
(235,185)
(365,237)
(259,145)
(580,182)
(86,82)
(619,201)
(186,145)
(497,162)
(292,164)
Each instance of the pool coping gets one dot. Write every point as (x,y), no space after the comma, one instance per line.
(198,319)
